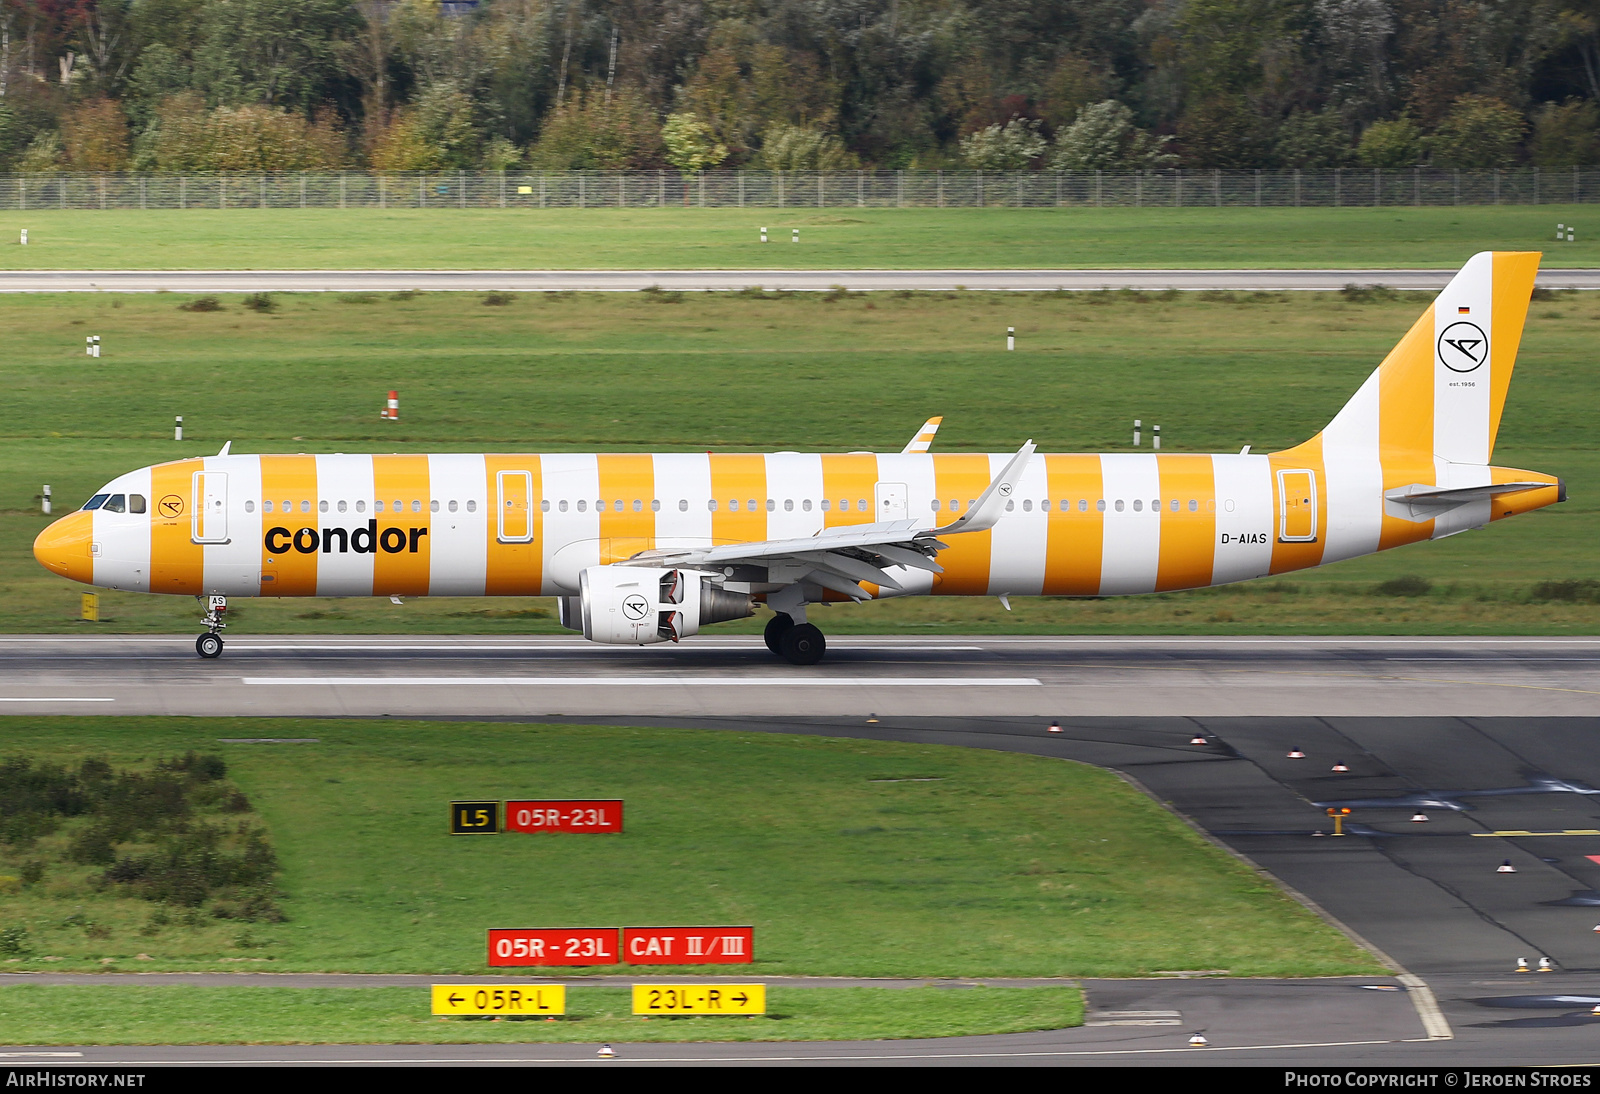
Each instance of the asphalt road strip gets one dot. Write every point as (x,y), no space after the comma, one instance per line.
(648,681)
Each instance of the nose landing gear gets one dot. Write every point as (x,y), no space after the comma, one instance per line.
(209,645)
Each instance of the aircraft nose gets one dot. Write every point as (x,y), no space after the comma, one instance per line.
(63,548)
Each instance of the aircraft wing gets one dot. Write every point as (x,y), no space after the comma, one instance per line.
(840,558)
(923,438)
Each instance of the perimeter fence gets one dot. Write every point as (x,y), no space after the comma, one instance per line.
(803,189)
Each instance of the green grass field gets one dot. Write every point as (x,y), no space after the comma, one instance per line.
(829,238)
(850,858)
(734,371)
(122,1014)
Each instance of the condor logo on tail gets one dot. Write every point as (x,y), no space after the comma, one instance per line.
(363,541)
(1463,347)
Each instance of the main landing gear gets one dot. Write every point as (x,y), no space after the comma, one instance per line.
(209,645)
(796,643)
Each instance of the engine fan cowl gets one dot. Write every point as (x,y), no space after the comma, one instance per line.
(634,606)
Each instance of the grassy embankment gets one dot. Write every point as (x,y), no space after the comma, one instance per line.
(746,372)
(830,238)
(850,858)
(125,1014)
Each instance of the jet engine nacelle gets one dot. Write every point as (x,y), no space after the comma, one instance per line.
(635,606)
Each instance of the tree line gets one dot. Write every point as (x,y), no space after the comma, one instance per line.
(200,86)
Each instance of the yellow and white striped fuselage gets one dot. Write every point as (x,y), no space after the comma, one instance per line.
(526,525)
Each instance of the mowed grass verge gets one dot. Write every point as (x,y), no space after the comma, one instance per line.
(112,1014)
(764,371)
(674,238)
(849,858)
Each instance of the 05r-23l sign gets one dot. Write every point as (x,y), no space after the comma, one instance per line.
(553,946)
(565,815)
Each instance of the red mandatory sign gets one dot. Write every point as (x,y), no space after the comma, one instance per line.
(562,815)
(688,945)
(553,946)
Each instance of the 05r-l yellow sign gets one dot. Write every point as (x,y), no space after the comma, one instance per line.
(524,1000)
(699,999)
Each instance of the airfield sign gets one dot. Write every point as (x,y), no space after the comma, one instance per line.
(534,1001)
(565,815)
(688,945)
(552,946)
(699,999)
(474,818)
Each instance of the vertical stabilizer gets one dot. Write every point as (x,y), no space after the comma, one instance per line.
(1439,393)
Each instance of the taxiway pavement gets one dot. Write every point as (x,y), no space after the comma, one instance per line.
(1492,740)
(210,281)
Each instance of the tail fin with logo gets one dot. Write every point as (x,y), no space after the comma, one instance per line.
(1439,393)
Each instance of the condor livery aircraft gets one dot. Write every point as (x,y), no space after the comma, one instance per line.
(651,548)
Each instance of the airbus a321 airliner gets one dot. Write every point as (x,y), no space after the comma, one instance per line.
(651,548)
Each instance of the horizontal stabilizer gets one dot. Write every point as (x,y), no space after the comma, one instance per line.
(1419,501)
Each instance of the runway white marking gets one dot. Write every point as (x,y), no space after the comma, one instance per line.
(51,699)
(590,648)
(650,681)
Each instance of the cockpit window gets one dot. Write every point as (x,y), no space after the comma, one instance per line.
(116,503)
(135,503)
(96,502)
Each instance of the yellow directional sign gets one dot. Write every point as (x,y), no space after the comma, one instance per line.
(699,999)
(524,1000)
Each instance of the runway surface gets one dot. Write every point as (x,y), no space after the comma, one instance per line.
(735,676)
(1446,728)
(727,280)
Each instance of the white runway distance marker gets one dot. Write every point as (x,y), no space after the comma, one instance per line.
(646,681)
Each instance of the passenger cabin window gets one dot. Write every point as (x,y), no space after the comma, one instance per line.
(344,506)
(361,506)
(805,504)
(583,506)
(826,504)
(322,506)
(433,506)
(563,505)
(712,505)
(250,506)
(683,505)
(96,502)
(655,505)
(305,505)
(416,506)
(1138,505)
(472,505)
(116,503)
(266,506)
(543,505)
